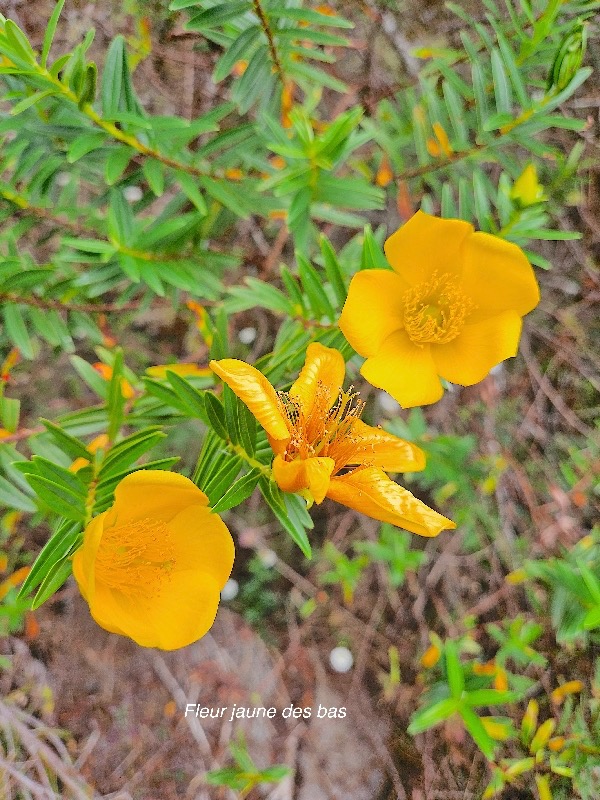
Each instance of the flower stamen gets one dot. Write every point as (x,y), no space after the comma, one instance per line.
(435,311)
(136,558)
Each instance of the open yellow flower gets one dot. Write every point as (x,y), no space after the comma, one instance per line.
(153,565)
(452,307)
(322,447)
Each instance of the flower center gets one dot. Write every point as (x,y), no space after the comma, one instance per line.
(136,558)
(435,311)
(326,430)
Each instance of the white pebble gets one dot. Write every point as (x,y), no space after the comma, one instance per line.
(132,194)
(247,335)
(268,558)
(230,590)
(62,179)
(341,659)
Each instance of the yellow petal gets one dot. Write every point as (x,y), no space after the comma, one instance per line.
(404,370)
(370,491)
(425,245)
(323,365)
(378,448)
(255,391)
(84,557)
(200,539)
(152,494)
(373,310)
(169,620)
(479,347)
(309,474)
(497,277)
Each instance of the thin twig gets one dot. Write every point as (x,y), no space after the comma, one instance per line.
(269,34)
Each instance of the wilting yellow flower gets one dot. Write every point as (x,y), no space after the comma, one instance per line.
(452,307)
(527,190)
(153,565)
(316,433)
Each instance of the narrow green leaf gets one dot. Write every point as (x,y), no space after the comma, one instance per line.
(50,31)
(237,492)
(16,329)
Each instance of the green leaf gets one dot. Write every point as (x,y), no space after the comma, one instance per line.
(237,492)
(222,480)
(189,395)
(58,497)
(502,91)
(55,578)
(475,727)
(432,715)
(69,444)
(454,670)
(216,415)
(372,255)
(333,270)
(312,284)
(154,172)
(225,194)
(308,15)
(217,15)
(123,454)
(61,543)
(188,185)
(117,162)
(12,497)
(50,31)
(115,401)
(17,330)
(27,102)
(113,77)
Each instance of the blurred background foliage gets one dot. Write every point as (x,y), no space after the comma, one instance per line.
(144,232)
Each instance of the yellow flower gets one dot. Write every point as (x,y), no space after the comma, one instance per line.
(452,307)
(153,565)
(316,433)
(527,190)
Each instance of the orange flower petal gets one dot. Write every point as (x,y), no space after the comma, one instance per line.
(370,491)
(255,391)
(479,347)
(323,365)
(498,277)
(310,474)
(373,310)
(405,370)
(378,448)
(427,244)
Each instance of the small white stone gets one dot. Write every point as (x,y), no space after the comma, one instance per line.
(341,659)
(498,369)
(247,335)
(268,558)
(132,194)
(230,590)
(387,403)
(63,179)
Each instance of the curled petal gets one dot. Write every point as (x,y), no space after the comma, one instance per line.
(405,370)
(427,244)
(373,310)
(498,277)
(255,391)
(371,492)
(479,347)
(324,366)
(378,448)
(308,474)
